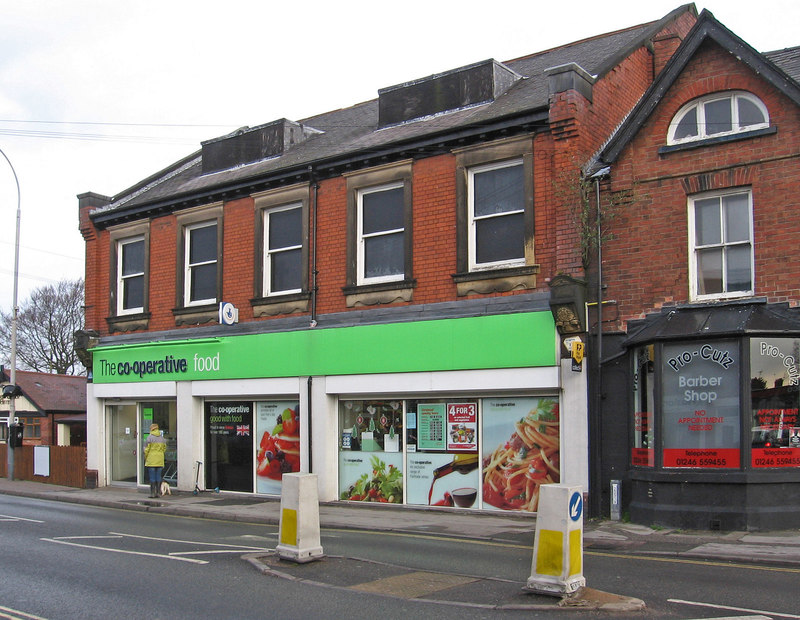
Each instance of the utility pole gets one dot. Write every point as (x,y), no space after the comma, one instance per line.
(12,406)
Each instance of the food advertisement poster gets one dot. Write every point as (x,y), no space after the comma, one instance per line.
(520,451)
(701,404)
(462,426)
(278,447)
(441,479)
(431,426)
(365,477)
(775,402)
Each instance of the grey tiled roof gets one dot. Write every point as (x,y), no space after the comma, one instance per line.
(788,60)
(51,393)
(353,132)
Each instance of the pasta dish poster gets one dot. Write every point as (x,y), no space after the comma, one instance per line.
(520,451)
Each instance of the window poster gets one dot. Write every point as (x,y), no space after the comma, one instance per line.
(443,479)
(775,398)
(520,451)
(431,426)
(462,426)
(701,404)
(278,448)
(371,477)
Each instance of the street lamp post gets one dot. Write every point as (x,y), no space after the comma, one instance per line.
(12,407)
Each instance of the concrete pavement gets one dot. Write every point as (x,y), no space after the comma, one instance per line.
(781,547)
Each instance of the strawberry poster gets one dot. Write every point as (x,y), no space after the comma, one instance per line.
(278,447)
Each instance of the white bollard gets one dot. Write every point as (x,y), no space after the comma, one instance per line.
(298,535)
(557,566)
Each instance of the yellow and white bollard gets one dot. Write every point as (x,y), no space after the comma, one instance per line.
(557,566)
(298,535)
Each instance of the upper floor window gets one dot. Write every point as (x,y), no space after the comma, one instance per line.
(715,115)
(200,263)
(721,246)
(130,275)
(496,202)
(283,250)
(381,234)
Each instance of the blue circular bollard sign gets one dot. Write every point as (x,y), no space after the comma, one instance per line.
(575,506)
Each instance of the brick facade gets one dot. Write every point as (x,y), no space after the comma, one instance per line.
(577,127)
(645,271)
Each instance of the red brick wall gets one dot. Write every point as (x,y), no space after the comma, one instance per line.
(646,265)
(163,274)
(579,129)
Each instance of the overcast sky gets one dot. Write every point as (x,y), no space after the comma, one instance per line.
(99,94)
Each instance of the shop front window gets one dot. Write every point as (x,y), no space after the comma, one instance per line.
(443,460)
(490,453)
(371,452)
(775,400)
(643,451)
(700,405)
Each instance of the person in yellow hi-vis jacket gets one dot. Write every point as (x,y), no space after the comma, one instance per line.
(154,450)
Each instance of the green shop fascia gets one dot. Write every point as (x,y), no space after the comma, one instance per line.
(520,340)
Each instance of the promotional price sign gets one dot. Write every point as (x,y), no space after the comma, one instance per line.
(462,426)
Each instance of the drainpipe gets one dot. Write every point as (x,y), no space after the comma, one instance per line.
(309,384)
(597,427)
(314,193)
(313,323)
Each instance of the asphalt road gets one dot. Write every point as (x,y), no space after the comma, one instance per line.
(60,560)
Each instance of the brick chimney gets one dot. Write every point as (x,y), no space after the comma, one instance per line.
(664,46)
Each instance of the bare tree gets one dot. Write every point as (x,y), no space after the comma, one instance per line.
(46,323)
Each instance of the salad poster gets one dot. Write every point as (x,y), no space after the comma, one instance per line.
(278,447)
(365,477)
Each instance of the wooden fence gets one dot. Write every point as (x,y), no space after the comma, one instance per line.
(67,465)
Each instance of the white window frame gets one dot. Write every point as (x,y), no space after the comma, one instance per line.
(268,253)
(121,278)
(188,267)
(472,242)
(362,238)
(699,105)
(694,248)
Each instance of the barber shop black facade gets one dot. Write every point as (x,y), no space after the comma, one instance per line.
(711,395)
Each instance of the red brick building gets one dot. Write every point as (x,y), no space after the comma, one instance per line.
(366,294)
(701,330)
(51,407)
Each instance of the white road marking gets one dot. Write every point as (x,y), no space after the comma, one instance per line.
(152,555)
(213,551)
(10,518)
(174,555)
(16,614)
(769,614)
(189,542)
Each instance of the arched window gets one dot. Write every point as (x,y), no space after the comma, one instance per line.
(719,114)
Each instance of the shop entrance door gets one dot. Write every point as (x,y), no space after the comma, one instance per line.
(122,450)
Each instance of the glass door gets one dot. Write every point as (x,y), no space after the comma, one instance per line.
(123,447)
